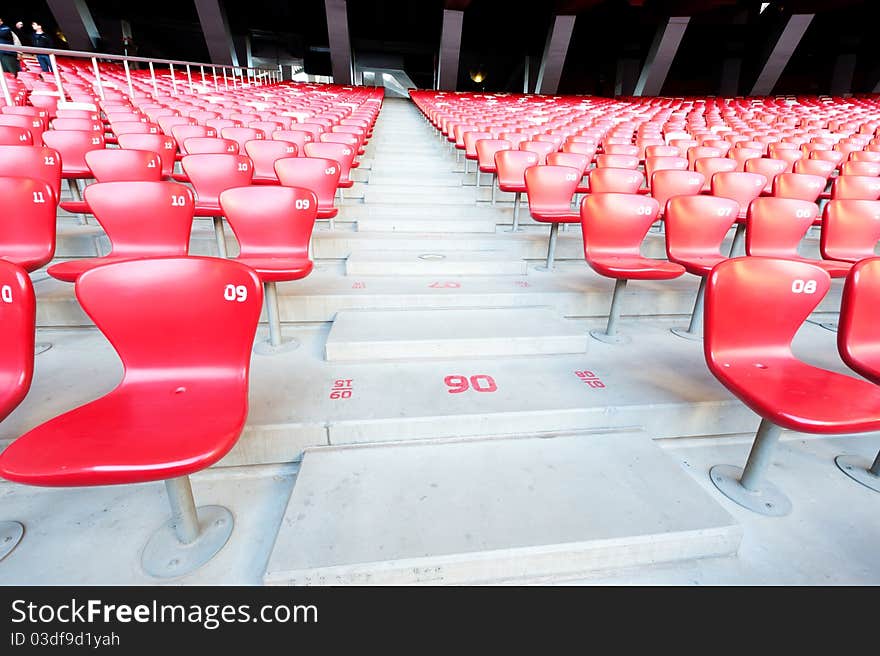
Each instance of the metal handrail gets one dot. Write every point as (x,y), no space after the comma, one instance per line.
(255,75)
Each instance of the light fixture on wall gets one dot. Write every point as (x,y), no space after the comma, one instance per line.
(477,76)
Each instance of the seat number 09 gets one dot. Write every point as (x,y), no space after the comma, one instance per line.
(803,286)
(235,293)
(302,203)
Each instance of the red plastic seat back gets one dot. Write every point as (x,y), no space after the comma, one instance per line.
(699,152)
(134,127)
(33,162)
(870,169)
(84,124)
(668,183)
(271,221)
(740,186)
(739,331)
(550,189)
(775,226)
(122,164)
(143,219)
(183,132)
(709,166)
(767,167)
(209,146)
(486,149)
(617,161)
(166,123)
(161,144)
(264,153)
(798,185)
(17,324)
(611,180)
(297,137)
(581,148)
(574,160)
(73,145)
(242,135)
(320,176)
(15,136)
(32,124)
(858,340)
(341,153)
(850,229)
(511,166)
(211,174)
(542,148)
(27,227)
(174,299)
(819,167)
(664,163)
(696,226)
(470,139)
(855,187)
(615,225)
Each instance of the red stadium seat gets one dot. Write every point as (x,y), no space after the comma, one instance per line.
(162,144)
(27,231)
(264,153)
(799,186)
(855,187)
(211,174)
(318,175)
(672,182)
(614,226)
(36,162)
(511,166)
(696,226)
(486,149)
(749,351)
(850,230)
(241,135)
(124,165)
(297,137)
(141,219)
(859,345)
(17,325)
(342,154)
(776,227)
(15,136)
(767,167)
(743,188)
(209,145)
(819,167)
(709,166)
(654,164)
(550,191)
(273,226)
(617,161)
(469,140)
(180,406)
(542,148)
(33,124)
(860,168)
(610,180)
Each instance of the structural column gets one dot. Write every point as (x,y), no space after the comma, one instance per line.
(215,27)
(555,51)
(450,49)
(75,20)
(660,56)
(340,44)
(781,53)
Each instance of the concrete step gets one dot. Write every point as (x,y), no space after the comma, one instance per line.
(369,335)
(420,194)
(415,177)
(573,290)
(424,263)
(659,382)
(427,225)
(487,511)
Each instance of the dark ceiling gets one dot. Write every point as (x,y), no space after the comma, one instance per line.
(498,36)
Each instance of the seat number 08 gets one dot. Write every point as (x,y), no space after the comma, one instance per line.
(235,293)
(803,286)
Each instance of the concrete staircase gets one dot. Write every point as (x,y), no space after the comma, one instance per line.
(429,343)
